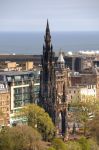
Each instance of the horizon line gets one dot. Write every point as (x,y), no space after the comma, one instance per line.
(53,31)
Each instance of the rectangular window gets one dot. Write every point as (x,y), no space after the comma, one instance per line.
(18,104)
(17,78)
(9,79)
(25,77)
(17,90)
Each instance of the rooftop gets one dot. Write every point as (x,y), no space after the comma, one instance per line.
(12,73)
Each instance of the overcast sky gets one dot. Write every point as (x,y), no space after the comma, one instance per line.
(63,15)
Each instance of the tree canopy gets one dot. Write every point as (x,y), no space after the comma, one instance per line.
(83,111)
(58,144)
(20,138)
(37,118)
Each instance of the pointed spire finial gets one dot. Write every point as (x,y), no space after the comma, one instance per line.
(47,37)
(47,23)
(47,27)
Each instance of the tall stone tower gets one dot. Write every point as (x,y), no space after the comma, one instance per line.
(55,105)
(47,76)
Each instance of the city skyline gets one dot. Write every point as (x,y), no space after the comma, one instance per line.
(31,15)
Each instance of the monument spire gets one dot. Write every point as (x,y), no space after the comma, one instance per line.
(47,37)
(47,27)
(47,80)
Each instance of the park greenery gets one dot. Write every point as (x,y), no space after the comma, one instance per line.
(20,138)
(38,129)
(84,111)
(37,118)
(26,138)
(80,144)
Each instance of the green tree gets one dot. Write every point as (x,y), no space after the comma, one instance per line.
(39,119)
(93,144)
(72,145)
(20,138)
(58,144)
(6,142)
(51,148)
(84,143)
(81,111)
